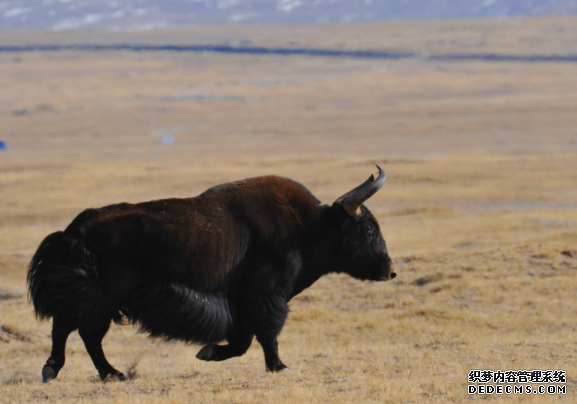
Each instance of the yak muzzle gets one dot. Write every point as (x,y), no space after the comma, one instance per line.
(388,278)
(388,273)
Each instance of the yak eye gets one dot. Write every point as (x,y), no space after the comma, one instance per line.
(369,228)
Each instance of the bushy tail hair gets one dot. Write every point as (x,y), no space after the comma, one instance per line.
(175,311)
(63,278)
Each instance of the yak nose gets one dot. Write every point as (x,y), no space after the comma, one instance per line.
(393,275)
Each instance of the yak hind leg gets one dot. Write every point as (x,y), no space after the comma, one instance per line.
(92,337)
(237,346)
(61,329)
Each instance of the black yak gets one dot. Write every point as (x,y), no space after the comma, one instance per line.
(219,266)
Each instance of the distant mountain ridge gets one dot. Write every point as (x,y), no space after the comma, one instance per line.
(61,15)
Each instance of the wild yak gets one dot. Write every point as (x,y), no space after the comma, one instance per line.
(220,266)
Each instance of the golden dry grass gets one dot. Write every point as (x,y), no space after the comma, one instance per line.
(479,210)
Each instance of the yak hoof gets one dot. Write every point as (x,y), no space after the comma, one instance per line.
(205,353)
(113,376)
(48,374)
(278,368)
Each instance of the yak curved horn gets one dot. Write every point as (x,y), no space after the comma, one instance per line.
(353,199)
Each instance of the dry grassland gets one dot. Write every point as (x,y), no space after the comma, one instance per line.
(479,210)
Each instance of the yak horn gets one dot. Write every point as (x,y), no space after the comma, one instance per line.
(352,200)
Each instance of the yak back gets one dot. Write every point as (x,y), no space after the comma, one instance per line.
(205,242)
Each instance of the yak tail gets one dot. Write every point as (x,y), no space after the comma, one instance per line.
(62,278)
(175,311)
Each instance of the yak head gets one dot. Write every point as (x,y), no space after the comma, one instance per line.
(358,246)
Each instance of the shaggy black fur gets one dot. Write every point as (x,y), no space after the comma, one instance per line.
(177,312)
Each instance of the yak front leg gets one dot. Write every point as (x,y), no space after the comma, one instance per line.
(271,358)
(267,320)
(235,347)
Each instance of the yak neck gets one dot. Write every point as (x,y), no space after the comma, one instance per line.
(317,244)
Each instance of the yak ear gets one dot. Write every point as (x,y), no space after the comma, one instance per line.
(352,200)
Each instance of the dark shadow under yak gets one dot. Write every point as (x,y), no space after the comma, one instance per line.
(219,266)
